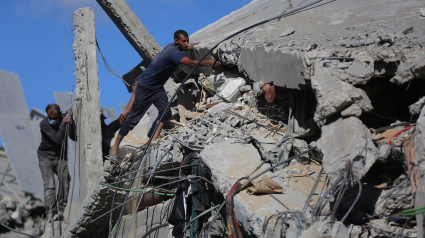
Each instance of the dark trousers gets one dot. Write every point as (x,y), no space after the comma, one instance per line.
(143,99)
(50,167)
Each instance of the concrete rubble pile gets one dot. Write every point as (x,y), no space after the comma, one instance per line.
(25,216)
(323,111)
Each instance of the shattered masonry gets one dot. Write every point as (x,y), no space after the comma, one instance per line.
(348,78)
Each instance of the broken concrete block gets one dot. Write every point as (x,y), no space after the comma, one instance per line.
(316,230)
(360,73)
(422,11)
(353,110)
(347,139)
(416,108)
(403,29)
(218,108)
(352,43)
(299,146)
(331,95)
(287,31)
(410,70)
(230,91)
(384,151)
(265,64)
(339,230)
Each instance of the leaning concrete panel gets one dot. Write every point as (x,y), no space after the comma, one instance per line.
(21,148)
(12,99)
(131,27)
(17,133)
(286,69)
(88,105)
(36,117)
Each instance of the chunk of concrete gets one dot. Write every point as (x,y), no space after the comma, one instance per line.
(267,64)
(422,11)
(287,32)
(403,29)
(332,95)
(147,219)
(339,230)
(416,107)
(353,110)
(230,90)
(347,140)
(359,72)
(299,146)
(410,70)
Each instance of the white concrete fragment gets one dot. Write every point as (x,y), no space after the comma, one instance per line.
(422,11)
(230,90)
(416,108)
(287,31)
(347,140)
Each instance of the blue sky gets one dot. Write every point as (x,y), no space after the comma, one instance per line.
(34,42)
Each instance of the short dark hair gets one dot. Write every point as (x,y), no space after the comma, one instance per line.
(53,106)
(180,32)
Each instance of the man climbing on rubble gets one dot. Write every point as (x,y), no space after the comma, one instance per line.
(52,159)
(150,88)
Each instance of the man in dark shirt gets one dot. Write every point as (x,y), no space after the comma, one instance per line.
(150,88)
(52,158)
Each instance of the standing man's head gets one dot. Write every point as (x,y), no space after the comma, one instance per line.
(181,39)
(53,114)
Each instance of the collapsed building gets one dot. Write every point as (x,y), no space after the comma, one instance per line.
(313,127)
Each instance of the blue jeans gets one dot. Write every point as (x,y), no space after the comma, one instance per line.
(144,98)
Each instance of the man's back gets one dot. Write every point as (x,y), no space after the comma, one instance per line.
(162,67)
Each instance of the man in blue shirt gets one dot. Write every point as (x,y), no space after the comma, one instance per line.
(150,88)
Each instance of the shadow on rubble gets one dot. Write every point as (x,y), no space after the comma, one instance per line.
(391,101)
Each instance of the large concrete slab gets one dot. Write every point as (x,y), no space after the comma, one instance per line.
(231,160)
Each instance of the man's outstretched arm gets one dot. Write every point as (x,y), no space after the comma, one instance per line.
(191,63)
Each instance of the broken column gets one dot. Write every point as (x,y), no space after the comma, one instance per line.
(87,93)
(131,27)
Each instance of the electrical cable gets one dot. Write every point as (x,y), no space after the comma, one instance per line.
(162,185)
(276,165)
(213,219)
(113,229)
(355,201)
(154,229)
(198,216)
(20,232)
